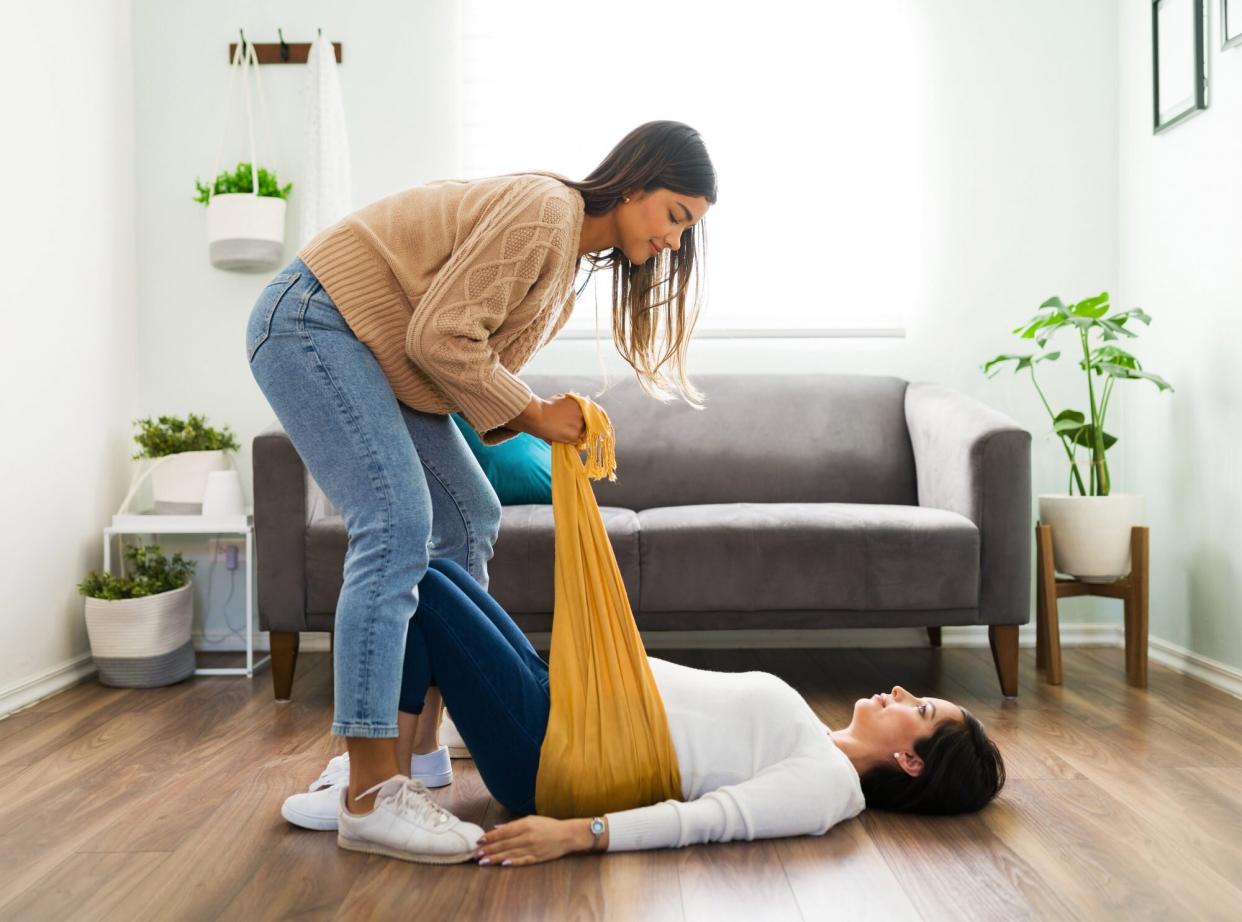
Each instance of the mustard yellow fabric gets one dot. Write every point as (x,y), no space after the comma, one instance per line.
(607,746)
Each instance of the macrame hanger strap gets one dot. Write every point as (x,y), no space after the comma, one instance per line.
(235,67)
(254,165)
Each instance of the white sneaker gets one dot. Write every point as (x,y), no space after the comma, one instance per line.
(406,824)
(317,808)
(451,738)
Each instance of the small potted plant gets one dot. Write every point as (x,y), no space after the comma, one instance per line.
(245,218)
(140,625)
(1090,530)
(186,452)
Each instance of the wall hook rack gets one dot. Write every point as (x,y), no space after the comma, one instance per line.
(281,52)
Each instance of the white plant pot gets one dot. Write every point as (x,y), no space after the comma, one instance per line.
(1091,534)
(245,231)
(145,642)
(179,481)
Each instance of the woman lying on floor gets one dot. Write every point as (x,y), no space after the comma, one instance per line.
(777,771)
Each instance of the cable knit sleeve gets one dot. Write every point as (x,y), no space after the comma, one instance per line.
(798,796)
(516,248)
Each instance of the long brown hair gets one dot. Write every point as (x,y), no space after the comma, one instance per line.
(651,325)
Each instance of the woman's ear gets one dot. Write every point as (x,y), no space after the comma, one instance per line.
(909,763)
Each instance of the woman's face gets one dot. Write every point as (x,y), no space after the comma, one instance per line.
(654,221)
(889,723)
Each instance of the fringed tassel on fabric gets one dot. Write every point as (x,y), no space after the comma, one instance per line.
(599,440)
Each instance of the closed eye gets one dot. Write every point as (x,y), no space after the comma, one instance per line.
(671,218)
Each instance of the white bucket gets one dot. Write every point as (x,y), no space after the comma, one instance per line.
(245,231)
(143,642)
(179,482)
(1091,534)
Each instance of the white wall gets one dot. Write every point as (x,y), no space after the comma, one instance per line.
(1019,107)
(69,354)
(1180,240)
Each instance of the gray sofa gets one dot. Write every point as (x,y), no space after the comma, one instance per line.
(801,501)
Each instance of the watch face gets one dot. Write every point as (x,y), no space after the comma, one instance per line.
(597,826)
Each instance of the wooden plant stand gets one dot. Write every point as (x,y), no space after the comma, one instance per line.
(1050,588)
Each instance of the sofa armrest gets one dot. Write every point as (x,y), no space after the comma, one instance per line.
(279,530)
(972,459)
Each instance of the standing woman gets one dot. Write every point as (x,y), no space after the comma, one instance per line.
(425,303)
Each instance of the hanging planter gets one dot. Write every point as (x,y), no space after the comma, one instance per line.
(245,208)
(245,230)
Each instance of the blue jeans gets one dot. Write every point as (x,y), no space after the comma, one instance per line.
(490,677)
(405,483)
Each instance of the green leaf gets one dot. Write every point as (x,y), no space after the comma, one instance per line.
(1121,371)
(1092,308)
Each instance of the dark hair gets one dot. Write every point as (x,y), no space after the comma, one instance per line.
(655,155)
(962,771)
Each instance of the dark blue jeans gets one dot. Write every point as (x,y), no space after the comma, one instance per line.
(491,679)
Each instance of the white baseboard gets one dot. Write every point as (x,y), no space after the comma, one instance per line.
(26,692)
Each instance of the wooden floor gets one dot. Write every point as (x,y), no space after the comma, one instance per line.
(164,804)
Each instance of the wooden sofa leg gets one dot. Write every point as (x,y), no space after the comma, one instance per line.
(284,661)
(933,636)
(1004,641)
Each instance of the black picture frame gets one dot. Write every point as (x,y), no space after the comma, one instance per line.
(1190,82)
(1230,30)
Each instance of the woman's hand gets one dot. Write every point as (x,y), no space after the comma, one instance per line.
(532,839)
(556,420)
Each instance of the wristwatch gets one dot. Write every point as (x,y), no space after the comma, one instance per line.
(597,830)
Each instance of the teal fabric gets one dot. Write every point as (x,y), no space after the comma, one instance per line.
(519,469)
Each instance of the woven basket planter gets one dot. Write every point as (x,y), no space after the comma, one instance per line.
(144,642)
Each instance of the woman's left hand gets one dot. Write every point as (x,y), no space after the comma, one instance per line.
(528,840)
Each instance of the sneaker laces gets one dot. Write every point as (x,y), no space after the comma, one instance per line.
(413,799)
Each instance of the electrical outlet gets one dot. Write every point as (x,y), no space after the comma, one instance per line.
(231,552)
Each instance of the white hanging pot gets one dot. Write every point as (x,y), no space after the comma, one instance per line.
(143,642)
(245,231)
(1091,534)
(178,482)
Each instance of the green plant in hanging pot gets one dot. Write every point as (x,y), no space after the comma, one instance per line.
(1090,529)
(245,218)
(140,624)
(185,451)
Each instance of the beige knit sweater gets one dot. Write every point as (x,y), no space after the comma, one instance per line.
(454,285)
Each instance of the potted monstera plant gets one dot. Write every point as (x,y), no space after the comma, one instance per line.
(1091,527)
(185,451)
(245,218)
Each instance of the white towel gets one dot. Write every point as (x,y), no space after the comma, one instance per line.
(325,194)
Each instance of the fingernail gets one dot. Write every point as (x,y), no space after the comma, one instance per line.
(505,863)
(485,861)
(480,854)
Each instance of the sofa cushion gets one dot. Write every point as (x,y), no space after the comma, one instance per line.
(520,573)
(773,556)
(522,570)
(760,438)
(519,469)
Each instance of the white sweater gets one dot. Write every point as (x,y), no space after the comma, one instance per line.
(755,763)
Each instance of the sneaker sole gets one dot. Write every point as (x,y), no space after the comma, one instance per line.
(373,848)
(306,821)
(440,780)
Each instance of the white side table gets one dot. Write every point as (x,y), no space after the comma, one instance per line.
(159,524)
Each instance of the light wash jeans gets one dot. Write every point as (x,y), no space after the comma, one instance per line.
(405,483)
